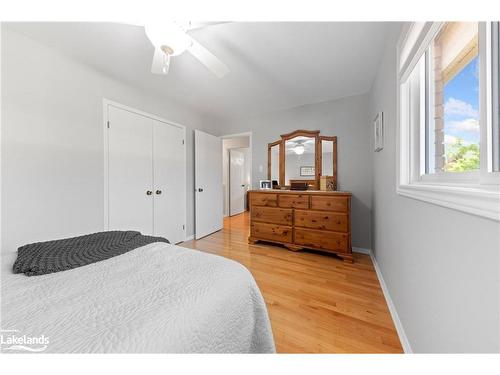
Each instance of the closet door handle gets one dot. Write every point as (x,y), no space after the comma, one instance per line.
(200,190)
(149,192)
(158,192)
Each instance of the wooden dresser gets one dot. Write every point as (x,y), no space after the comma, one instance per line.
(312,219)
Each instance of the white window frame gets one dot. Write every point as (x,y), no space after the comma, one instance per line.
(494,39)
(476,193)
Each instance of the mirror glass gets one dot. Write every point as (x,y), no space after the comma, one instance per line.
(326,158)
(300,159)
(275,163)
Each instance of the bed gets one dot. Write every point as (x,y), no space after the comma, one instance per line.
(159,298)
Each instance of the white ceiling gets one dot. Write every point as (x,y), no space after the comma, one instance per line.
(274,65)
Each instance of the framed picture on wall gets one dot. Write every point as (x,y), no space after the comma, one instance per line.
(307,171)
(378,131)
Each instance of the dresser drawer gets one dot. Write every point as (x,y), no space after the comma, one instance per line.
(271,232)
(294,200)
(333,221)
(264,199)
(272,215)
(323,240)
(329,203)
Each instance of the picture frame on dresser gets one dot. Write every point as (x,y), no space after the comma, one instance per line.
(265,184)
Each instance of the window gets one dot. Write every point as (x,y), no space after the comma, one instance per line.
(495,78)
(449,143)
(454,101)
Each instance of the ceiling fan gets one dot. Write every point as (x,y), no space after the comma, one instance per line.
(172,39)
(298,146)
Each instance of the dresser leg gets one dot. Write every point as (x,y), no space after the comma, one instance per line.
(348,258)
(292,247)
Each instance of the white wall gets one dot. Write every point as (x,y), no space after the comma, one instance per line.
(52,142)
(347,119)
(442,267)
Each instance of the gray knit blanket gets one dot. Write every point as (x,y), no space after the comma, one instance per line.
(53,256)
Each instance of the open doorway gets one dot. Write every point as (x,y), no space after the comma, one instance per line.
(237,172)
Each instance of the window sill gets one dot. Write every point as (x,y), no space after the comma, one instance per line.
(473,199)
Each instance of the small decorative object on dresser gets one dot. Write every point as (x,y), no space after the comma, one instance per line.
(299,185)
(378,131)
(312,219)
(326,183)
(265,184)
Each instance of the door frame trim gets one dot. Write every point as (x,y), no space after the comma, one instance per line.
(106,103)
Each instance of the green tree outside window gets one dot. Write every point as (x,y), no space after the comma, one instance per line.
(461,157)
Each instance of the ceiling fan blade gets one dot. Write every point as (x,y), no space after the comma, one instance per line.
(208,59)
(160,64)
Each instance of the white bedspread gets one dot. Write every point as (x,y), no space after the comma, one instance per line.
(159,298)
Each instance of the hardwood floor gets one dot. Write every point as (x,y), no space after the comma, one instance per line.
(317,303)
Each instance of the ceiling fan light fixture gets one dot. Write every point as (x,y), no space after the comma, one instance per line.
(168,36)
(171,39)
(299,149)
(165,67)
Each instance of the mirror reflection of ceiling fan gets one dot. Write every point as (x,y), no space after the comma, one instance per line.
(299,146)
(172,39)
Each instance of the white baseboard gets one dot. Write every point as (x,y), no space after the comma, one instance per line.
(362,250)
(189,238)
(392,308)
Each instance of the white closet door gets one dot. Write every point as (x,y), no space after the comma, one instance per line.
(208,183)
(237,182)
(169,160)
(130,177)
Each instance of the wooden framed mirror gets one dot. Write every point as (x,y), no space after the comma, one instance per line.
(328,161)
(304,156)
(300,160)
(273,161)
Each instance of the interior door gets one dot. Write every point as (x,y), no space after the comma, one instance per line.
(169,168)
(208,184)
(130,174)
(237,183)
